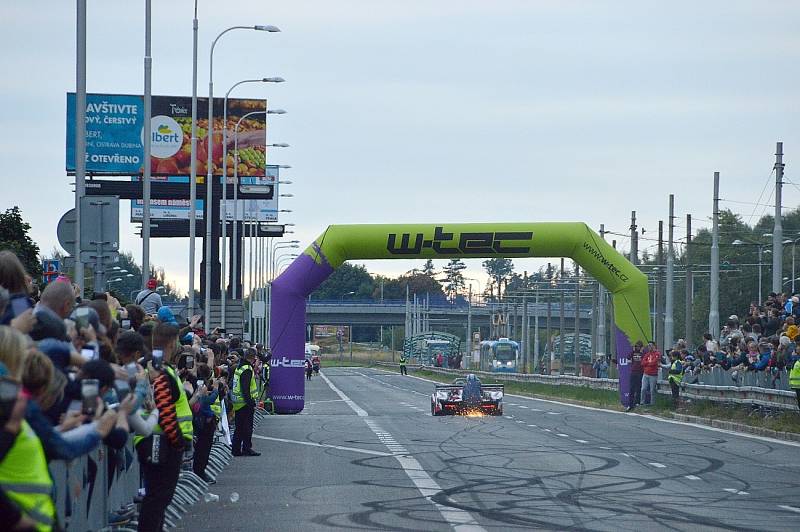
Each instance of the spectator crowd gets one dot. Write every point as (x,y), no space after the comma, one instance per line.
(79,374)
(765,342)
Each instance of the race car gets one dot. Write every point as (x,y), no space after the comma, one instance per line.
(467,396)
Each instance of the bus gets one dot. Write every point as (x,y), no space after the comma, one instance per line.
(499,355)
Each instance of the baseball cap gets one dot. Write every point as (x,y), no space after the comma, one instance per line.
(151,284)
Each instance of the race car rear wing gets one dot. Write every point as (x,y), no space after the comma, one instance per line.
(484,387)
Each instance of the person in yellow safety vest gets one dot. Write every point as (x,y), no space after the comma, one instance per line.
(403,370)
(161,454)
(25,484)
(794,380)
(675,375)
(245,395)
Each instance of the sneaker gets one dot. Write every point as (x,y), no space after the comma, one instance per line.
(251,452)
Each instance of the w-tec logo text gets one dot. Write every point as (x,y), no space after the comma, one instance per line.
(468,243)
(605,262)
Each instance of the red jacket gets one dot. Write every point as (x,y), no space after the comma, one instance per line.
(650,362)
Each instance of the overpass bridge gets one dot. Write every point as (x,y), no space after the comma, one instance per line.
(389,313)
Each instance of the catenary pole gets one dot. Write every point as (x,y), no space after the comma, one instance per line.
(601,309)
(659,299)
(634,240)
(669,300)
(777,231)
(713,308)
(688,329)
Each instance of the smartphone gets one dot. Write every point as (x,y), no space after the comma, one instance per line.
(20,304)
(189,362)
(158,359)
(90,389)
(8,396)
(200,383)
(126,324)
(87,354)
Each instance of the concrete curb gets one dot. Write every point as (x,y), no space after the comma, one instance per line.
(738,427)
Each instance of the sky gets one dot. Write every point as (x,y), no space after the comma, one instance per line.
(446,111)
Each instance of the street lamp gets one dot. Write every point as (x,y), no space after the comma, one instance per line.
(341,300)
(210,162)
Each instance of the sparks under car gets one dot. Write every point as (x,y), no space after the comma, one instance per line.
(467,397)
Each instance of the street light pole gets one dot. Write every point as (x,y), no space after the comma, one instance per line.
(193,168)
(210,208)
(148,82)
(80,133)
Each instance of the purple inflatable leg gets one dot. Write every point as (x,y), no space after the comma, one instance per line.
(288,330)
(624,350)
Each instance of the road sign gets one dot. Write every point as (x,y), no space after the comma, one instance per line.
(100,225)
(66,231)
(51,268)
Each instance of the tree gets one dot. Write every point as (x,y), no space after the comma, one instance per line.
(454,279)
(429,269)
(345,279)
(14,237)
(499,270)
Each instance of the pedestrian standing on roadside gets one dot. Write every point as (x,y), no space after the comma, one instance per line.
(675,375)
(403,370)
(651,362)
(636,376)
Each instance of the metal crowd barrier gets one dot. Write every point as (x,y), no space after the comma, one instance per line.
(89,487)
(743,387)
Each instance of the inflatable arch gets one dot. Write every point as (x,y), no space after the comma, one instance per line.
(340,243)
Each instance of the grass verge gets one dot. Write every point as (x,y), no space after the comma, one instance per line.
(781,421)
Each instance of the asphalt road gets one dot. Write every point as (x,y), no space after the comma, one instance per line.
(366,454)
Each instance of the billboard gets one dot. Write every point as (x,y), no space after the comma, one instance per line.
(249,210)
(114,135)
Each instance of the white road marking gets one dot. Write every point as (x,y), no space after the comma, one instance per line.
(563,435)
(790,508)
(731,490)
(532,425)
(460,520)
(535,409)
(581,441)
(656,464)
(554,413)
(692,477)
(547,430)
(522,406)
(312,444)
(520,421)
(742,493)
(357,409)
(605,448)
(625,454)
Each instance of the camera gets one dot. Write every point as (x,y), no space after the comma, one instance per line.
(189,362)
(126,324)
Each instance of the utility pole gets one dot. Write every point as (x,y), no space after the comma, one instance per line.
(612,343)
(549,324)
(577,338)
(660,289)
(777,231)
(193,171)
(669,303)
(634,240)
(469,328)
(561,332)
(601,309)
(688,328)
(713,307)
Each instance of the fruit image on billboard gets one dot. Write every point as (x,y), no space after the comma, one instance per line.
(115,143)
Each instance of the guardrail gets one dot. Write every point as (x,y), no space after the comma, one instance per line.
(752,395)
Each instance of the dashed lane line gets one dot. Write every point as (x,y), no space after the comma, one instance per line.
(581,441)
(692,477)
(656,464)
(790,508)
